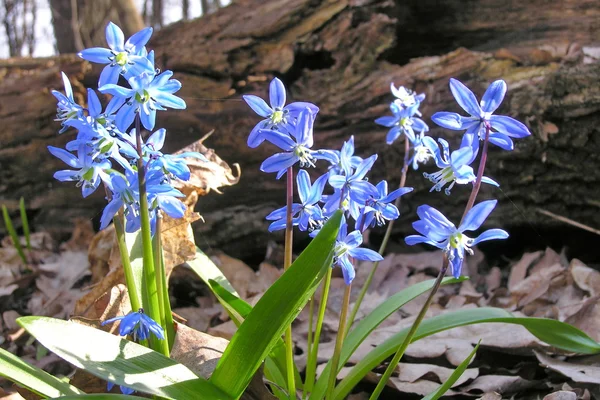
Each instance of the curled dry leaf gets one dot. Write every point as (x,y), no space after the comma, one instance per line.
(586,278)
(587,371)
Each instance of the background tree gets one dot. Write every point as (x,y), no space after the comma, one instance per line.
(80,23)
(19,18)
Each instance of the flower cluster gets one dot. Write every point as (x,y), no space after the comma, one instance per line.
(454,167)
(365,205)
(106,149)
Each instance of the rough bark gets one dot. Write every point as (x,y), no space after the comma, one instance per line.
(342,55)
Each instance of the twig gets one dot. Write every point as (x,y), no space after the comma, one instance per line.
(568,221)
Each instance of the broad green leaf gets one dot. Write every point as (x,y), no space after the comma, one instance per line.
(203,266)
(554,333)
(33,378)
(274,312)
(118,360)
(454,377)
(237,308)
(102,396)
(362,330)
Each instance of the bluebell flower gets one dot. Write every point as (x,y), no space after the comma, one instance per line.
(125,193)
(436,230)
(352,184)
(455,167)
(403,121)
(379,209)
(86,171)
(307,214)
(347,246)
(138,324)
(502,128)
(67,109)
(420,152)
(123,57)
(277,116)
(338,158)
(297,150)
(148,93)
(405,97)
(124,389)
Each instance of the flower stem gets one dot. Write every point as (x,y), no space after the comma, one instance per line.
(161,283)
(287,261)
(384,243)
(339,340)
(438,281)
(149,290)
(309,339)
(311,363)
(413,329)
(134,297)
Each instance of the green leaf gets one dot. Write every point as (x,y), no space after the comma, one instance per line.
(362,330)
(25,223)
(203,266)
(13,233)
(33,378)
(118,360)
(553,332)
(237,308)
(454,377)
(102,396)
(274,312)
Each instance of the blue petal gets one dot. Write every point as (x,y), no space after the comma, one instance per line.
(109,212)
(387,121)
(65,156)
(416,239)
(392,135)
(509,126)
(303,184)
(115,37)
(347,269)
(477,215)
(96,55)
(152,325)
(258,105)
(448,120)
(432,215)
(116,90)
(256,138)
(129,323)
(148,119)
(157,139)
(109,75)
(465,98)
(501,140)
(278,225)
(138,39)
(94,106)
(489,181)
(169,100)
(456,266)
(125,117)
(490,234)
(361,191)
(419,125)
(395,194)
(114,104)
(493,96)
(66,175)
(277,94)
(304,129)
(295,108)
(353,239)
(126,390)
(316,191)
(365,254)
(337,181)
(279,162)
(364,167)
(173,207)
(281,140)
(461,157)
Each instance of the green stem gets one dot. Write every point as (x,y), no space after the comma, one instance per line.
(339,340)
(413,329)
(384,243)
(13,234)
(311,363)
(134,296)
(161,283)
(409,337)
(309,339)
(287,261)
(25,223)
(149,289)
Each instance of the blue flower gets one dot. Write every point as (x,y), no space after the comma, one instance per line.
(405,97)
(138,324)
(124,389)
(339,158)
(420,152)
(307,214)
(480,116)
(125,192)
(148,93)
(352,184)
(297,150)
(454,167)
(87,170)
(402,122)
(66,109)
(123,57)
(347,246)
(436,230)
(378,209)
(277,116)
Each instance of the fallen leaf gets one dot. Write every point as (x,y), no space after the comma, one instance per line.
(576,371)
(518,271)
(561,395)
(585,277)
(198,351)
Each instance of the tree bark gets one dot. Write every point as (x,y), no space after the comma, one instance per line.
(342,55)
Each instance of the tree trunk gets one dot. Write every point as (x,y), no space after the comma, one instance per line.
(342,55)
(79,24)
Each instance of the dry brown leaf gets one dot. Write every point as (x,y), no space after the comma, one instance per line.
(198,351)
(82,236)
(588,318)
(491,396)
(578,372)
(536,285)
(421,387)
(195,317)
(585,277)
(236,271)
(549,259)
(502,384)
(413,372)
(518,271)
